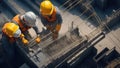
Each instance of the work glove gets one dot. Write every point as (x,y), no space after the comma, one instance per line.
(55,31)
(55,34)
(49,27)
(38,39)
(57,28)
(25,41)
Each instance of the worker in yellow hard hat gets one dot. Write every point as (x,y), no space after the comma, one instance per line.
(50,17)
(10,34)
(27,21)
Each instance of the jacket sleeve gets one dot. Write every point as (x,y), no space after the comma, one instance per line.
(59,20)
(43,20)
(39,26)
(59,17)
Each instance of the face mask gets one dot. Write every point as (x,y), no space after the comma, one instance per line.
(17,33)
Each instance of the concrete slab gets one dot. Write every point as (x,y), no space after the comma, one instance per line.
(112,40)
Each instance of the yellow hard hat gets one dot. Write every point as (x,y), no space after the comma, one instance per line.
(11,29)
(46,7)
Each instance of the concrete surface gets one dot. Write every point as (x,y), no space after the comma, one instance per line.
(112,40)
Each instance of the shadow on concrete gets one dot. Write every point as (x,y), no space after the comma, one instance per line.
(88,62)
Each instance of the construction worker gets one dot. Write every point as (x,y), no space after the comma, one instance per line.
(50,17)
(27,21)
(11,33)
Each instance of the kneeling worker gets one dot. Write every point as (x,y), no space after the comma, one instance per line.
(10,34)
(27,21)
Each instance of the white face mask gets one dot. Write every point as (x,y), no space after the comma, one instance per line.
(17,33)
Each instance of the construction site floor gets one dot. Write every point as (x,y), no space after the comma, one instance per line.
(69,17)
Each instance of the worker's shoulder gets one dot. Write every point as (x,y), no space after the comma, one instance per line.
(16,16)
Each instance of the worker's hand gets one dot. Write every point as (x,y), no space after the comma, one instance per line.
(25,41)
(55,35)
(49,27)
(22,36)
(38,40)
(58,26)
